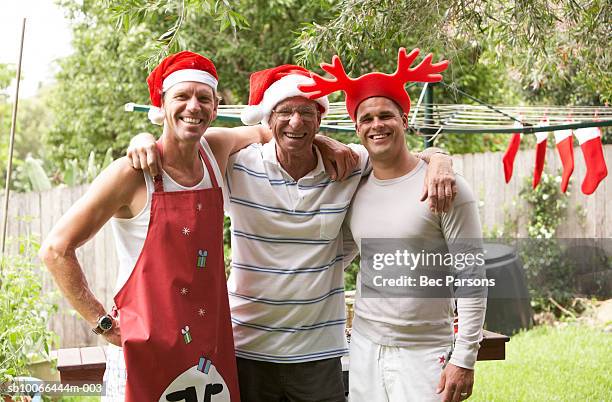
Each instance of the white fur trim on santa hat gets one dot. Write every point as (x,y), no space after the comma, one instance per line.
(156,115)
(286,87)
(189,75)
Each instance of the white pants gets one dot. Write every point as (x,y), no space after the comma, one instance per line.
(379,373)
(115,375)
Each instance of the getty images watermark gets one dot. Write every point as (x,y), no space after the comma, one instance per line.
(494,268)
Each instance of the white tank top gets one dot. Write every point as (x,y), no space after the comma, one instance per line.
(130,234)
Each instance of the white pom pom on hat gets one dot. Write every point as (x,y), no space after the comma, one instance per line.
(251,115)
(156,115)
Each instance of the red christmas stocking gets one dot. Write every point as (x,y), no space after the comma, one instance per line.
(510,154)
(540,154)
(590,143)
(565,147)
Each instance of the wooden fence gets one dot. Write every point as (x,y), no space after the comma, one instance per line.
(35,213)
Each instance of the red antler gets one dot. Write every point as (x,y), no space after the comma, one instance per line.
(423,72)
(323,86)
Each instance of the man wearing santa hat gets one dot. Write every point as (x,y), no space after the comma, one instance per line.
(402,344)
(286,286)
(172,315)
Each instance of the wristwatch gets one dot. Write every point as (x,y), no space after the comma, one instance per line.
(105,323)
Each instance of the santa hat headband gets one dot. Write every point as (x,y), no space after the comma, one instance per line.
(180,67)
(271,86)
(390,86)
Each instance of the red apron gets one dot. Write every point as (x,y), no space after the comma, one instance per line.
(176,331)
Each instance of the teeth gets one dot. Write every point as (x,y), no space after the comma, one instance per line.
(291,135)
(190,120)
(379,136)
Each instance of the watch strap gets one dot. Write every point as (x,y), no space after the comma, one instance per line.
(98,330)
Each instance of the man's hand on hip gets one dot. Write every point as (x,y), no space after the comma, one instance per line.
(113,335)
(456,383)
(142,154)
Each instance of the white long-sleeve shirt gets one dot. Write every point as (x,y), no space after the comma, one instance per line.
(392,209)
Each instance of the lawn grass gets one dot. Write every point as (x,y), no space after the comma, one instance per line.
(572,363)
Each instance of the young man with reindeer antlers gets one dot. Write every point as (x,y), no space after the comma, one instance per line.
(286,286)
(402,346)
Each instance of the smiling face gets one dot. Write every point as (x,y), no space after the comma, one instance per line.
(294,123)
(380,126)
(189,108)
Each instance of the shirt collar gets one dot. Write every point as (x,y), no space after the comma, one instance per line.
(269,157)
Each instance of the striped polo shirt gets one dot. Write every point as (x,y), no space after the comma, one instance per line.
(286,287)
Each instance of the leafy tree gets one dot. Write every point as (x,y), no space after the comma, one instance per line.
(546,43)
(262,34)
(6,75)
(263,44)
(109,66)
(33,119)
(486,41)
(173,15)
(105,71)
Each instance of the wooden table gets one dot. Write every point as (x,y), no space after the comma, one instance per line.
(81,364)
(492,346)
(88,364)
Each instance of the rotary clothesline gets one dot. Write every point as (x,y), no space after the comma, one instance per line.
(431,120)
(460,118)
(470,119)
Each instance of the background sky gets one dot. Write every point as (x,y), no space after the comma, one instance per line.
(47,38)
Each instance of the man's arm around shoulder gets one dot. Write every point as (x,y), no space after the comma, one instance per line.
(225,141)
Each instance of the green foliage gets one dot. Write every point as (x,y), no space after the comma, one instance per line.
(36,174)
(350,274)
(7,73)
(74,174)
(33,119)
(543,43)
(117,42)
(135,12)
(240,37)
(548,205)
(108,67)
(24,312)
(266,43)
(94,83)
(543,259)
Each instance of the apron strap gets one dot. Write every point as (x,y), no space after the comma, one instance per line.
(158,180)
(211,173)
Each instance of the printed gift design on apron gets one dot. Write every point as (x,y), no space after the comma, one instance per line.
(175,323)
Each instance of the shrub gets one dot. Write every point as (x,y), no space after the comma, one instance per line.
(549,273)
(24,312)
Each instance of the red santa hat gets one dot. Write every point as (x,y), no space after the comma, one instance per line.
(176,68)
(390,86)
(271,86)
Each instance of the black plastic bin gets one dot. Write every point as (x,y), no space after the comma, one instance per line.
(508,304)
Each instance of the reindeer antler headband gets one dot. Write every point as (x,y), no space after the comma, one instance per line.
(368,85)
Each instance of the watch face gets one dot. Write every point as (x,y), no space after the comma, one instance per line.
(106,323)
